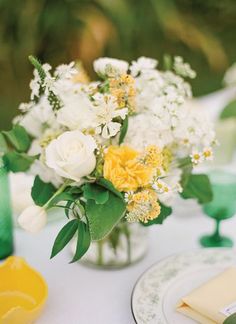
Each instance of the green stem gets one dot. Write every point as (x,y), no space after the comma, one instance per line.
(100,253)
(127,234)
(60,190)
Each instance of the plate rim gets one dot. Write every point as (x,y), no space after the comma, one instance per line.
(166,258)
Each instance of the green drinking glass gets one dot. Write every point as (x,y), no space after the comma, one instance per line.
(6,225)
(223,206)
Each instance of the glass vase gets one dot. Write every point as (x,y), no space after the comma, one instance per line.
(125,245)
(6,225)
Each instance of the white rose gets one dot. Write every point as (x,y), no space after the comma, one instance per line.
(109,66)
(71,155)
(33,219)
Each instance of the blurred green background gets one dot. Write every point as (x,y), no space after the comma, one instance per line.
(58,31)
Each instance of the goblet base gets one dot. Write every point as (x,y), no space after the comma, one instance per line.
(212,241)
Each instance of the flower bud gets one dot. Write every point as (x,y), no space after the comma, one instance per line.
(33,219)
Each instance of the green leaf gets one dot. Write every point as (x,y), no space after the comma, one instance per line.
(186,165)
(198,186)
(229,111)
(38,66)
(103,218)
(95,192)
(83,241)
(231,319)
(64,196)
(41,191)
(18,162)
(108,185)
(165,212)
(64,236)
(18,137)
(123,130)
(3,145)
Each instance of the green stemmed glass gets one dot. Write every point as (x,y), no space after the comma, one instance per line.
(223,206)
(6,227)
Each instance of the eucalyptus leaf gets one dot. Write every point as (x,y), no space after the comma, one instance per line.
(103,218)
(41,191)
(64,236)
(165,212)
(198,186)
(123,130)
(229,111)
(18,138)
(95,192)
(18,162)
(108,185)
(83,241)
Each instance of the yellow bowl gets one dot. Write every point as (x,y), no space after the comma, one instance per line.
(23,292)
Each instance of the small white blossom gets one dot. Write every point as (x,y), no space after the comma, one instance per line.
(106,110)
(143,64)
(183,68)
(196,157)
(110,66)
(66,71)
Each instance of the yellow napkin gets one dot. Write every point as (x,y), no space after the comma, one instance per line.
(214,301)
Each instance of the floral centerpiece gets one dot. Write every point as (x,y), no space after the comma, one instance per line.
(111,152)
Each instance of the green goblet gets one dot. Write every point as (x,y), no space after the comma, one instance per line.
(223,206)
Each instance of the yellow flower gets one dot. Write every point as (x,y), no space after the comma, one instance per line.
(153,156)
(167,158)
(143,206)
(123,89)
(123,169)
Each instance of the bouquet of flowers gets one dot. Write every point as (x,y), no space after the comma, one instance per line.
(110,151)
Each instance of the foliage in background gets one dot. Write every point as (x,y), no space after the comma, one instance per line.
(62,30)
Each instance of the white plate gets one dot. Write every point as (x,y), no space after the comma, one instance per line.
(158,290)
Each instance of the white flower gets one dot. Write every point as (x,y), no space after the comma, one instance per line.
(208,153)
(78,113)
(38,118)
(45,173)
(196,157)
(143,64)
(66,71)
(71,155)
(20,185)
(183,68)
(33,219)
(160,186)
(110,66)
(106,109)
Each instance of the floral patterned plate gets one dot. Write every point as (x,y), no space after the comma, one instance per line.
(158,290)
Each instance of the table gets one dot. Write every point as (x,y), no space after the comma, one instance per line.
(81,295)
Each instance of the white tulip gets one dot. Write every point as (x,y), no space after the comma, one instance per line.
(109,66)
(71,155)
(33,219)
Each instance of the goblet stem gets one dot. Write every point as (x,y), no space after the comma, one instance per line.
(216,234)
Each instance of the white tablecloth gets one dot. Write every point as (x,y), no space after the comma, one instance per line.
(81,295)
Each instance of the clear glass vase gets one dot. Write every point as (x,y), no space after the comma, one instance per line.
(127,244)
(6,226)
